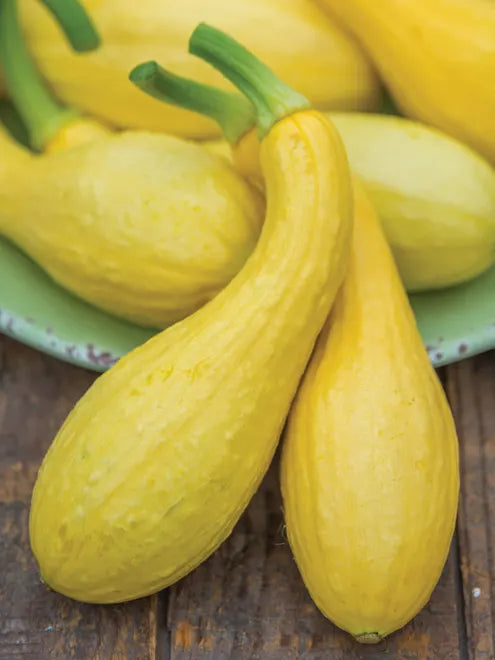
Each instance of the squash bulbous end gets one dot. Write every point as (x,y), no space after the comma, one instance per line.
(368,638)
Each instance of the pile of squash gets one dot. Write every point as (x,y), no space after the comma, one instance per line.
(275,261)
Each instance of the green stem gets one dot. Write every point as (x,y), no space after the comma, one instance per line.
(39,111)
(271,97)
(232,111)
(13,123)
(75,22)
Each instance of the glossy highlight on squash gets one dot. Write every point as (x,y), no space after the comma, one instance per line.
(370,473)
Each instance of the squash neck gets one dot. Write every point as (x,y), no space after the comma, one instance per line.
(299,261)
(372,275)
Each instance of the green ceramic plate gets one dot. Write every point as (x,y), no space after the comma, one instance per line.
(36,311)
(454,323)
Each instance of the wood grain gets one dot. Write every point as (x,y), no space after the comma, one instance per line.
(248,602)
(36,392)
(471,389)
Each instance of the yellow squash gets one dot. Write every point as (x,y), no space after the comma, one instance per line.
(437,58)
(155,464)
(147,227)
(370,471)
(435,197)
(77,27)
(321,61)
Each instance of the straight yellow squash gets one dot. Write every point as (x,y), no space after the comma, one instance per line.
(437,58)
(322,62)
(155,464)
(370,472)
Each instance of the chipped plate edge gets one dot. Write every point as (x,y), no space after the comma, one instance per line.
(25,331)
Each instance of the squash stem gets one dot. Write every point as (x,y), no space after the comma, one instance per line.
(11,121)
(271,97)
(42,115)
(232,111)
(75,22)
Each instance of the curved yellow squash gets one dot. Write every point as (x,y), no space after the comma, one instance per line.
(157,461)
(435,196)
(147,227)
(437,58)
(370,471)
(294,37)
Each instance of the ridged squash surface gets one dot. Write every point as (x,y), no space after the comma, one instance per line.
(434,195)
(437,58)
(294,37)
(147,227)
(155,464)
(370,472)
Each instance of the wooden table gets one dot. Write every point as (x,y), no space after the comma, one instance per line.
(248,600)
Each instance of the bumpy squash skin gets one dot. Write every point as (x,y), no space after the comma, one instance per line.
(147,227)
(370,473)
(437,58)
(156,462)
(435,196)
(322,62)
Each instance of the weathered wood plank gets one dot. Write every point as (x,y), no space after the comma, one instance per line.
(471,389)
(248,602)
(36,392)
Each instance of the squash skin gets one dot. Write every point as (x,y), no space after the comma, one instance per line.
(370,473)
(437,58)
(155,464)
(147,227)
(435,196)
(76,132)
(328,66)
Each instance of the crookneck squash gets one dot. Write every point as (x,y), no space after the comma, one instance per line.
(372,446)
(155,464)
(370,472)
(434,195)
(147,227)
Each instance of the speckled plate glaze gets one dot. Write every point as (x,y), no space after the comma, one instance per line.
(458,322)
(455,323)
